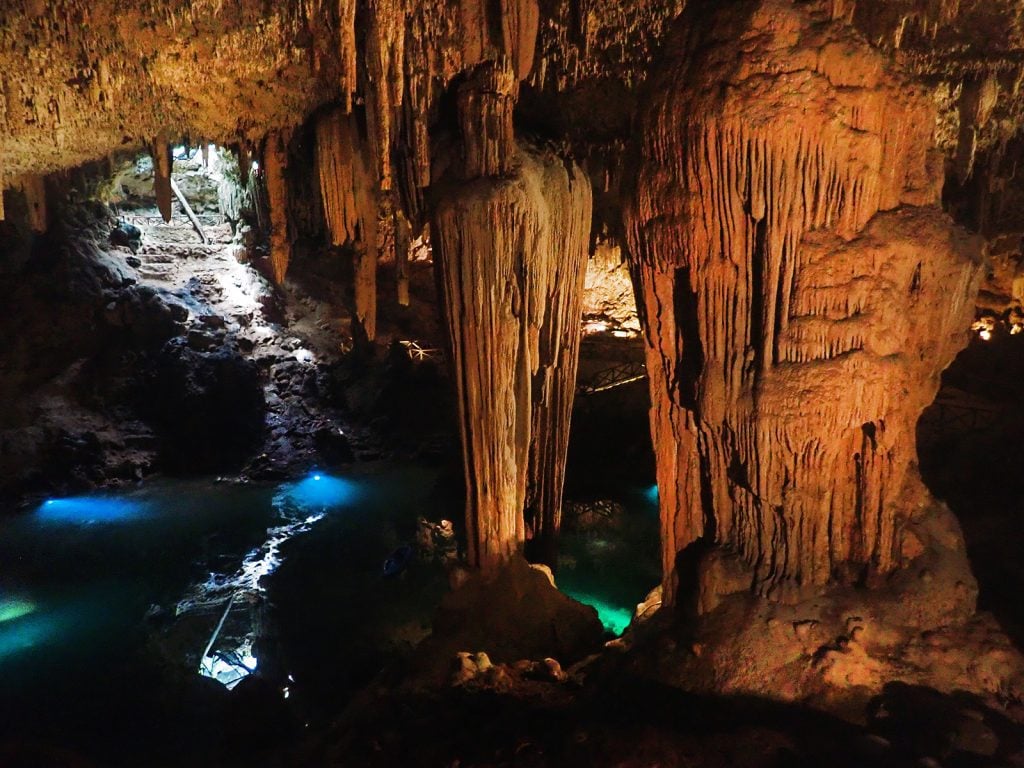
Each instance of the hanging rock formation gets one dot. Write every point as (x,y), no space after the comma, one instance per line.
(163,163)
(349,194)
(511,229)
(275,160)
(34,187)
(802,291)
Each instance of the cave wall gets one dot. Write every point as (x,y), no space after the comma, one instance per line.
(802,290)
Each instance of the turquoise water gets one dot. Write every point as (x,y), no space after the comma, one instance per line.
(613,570)
(82,665)
(79,659)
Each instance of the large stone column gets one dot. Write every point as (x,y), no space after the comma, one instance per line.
(511,228)
(801,287)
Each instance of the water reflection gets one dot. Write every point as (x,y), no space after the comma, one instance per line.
(86,510)
(238,598)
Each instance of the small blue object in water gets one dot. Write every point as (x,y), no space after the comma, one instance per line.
(398,561)
(652,494)
(614,618)
(90,509)
(317,492)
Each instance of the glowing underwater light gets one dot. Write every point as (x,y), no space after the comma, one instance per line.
(15,608)
(614,618)
(318,491)
(90,509)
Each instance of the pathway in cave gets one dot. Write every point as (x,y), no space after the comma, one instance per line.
(232,309)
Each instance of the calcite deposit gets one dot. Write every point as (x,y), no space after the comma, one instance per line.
(802,290)
(512,227)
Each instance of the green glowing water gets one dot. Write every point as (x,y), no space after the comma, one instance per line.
(614,618)
(613,570)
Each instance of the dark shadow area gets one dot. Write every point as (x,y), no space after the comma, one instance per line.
(610,438)
(633,722)
(969,444)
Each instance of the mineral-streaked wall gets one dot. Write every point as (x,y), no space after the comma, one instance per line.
(802,290)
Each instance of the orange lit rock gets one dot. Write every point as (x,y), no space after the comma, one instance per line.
(34,187)
(275,160)
(349,194)
(802,290)
(511,230)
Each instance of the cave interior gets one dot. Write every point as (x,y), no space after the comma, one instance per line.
(511,383)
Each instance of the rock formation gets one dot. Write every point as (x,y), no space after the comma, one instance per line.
(349,193)
(802,291)
(829,140)
(275,161)
(512,228)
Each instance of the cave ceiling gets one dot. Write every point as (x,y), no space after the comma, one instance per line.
(82,80)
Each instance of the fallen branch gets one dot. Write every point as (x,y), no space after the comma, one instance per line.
(188,212)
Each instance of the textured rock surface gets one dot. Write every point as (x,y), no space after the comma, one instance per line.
(349,193)
(511,232)
(608,290)
(802,290)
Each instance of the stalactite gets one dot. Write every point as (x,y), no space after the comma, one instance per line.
(385,47)
(486,104)
(350,199)
(978,97)
(799,306)
(519,22)
(163,163)
(511,226)
(275,161)
(347,50)
(513,33)
(244,158)
(34,189)
(403,243)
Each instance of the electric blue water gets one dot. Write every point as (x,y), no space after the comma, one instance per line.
(89,510)
(318,491)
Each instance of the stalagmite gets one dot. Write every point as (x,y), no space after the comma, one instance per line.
(163,163)
(512,227)
(349,193)
(801,287)
(34,188)
(275,161)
